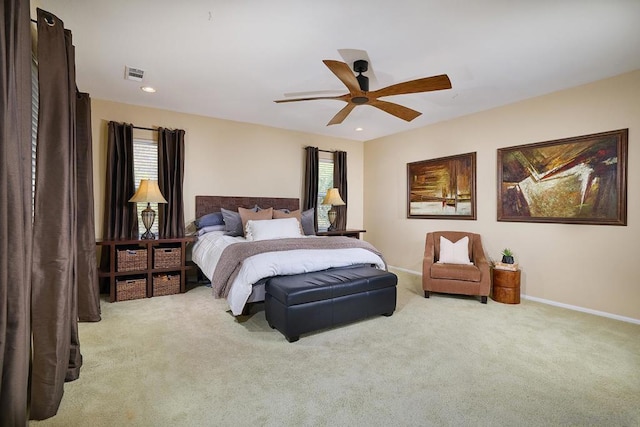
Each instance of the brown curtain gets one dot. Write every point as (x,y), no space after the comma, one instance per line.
(340,182)
(88,286)
(56,347)
(15,210)
(310,199)
(170,178)
(120,216)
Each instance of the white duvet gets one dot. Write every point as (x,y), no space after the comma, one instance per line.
(208,249)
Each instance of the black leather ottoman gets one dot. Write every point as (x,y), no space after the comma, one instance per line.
(312,301)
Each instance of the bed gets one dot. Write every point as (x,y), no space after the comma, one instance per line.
(238,267)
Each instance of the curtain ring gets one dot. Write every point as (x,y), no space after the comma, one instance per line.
(48,18)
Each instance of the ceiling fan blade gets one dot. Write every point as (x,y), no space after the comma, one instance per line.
(327,92)
(426,84)
(342,114)
(397,110)
(344,73)
(341,97)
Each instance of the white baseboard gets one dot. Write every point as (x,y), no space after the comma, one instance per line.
(554,303)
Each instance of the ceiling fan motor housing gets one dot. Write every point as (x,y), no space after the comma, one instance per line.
(360,66)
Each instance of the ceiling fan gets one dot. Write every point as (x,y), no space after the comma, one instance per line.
(359,94)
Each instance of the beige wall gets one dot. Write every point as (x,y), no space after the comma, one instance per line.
(588,266)
(227,158)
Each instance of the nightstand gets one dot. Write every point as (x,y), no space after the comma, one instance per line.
(348,233)
(506,286)
(145,267)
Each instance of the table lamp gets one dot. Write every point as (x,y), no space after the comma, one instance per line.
(333,198)
(148,192)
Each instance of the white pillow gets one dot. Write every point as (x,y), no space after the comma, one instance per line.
(454,253)
(272,229)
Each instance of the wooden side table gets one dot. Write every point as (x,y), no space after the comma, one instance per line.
(148,270)
(348,233)
(506,286)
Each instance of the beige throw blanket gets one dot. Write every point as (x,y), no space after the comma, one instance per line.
(233,255)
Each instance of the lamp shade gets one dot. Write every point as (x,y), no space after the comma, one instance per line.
(148,192)
(333,198)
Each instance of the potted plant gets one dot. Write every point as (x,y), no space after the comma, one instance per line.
(507,256)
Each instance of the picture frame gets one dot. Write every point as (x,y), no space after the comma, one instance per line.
(578,180)
(442,188)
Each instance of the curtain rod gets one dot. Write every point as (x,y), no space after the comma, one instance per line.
(324,151)
(48,19)
(143,128)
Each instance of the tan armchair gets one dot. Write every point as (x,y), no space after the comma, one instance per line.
(455,278)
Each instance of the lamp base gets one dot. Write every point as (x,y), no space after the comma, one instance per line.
(148,235)
(148,216)
(331,216)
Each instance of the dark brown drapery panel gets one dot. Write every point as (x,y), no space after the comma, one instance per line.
(120,216)
(170,178)
(88,286)
(15,211)
(56,347)
(310,198)
(340,182)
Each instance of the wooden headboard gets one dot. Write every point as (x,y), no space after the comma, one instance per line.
(210,204)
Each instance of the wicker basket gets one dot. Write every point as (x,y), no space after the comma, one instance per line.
(132,259)
(129,289)
(167,257)
(168,284)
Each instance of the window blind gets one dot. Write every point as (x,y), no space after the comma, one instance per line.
(325,182)
(145,166)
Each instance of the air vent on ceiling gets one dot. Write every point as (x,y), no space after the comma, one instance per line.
(135,74)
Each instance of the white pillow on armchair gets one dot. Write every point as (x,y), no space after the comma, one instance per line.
(454,253)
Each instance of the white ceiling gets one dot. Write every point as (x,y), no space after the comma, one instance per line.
(231,59)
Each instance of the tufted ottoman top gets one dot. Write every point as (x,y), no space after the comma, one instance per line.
(327,284)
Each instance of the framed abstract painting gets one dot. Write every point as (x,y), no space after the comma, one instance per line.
(443,188)
(579,180)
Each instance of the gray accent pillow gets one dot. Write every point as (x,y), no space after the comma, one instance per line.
(307,218)
(232,222)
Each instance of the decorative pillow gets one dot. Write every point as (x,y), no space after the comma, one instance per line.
(232,222)
(308,220)
(250,214)
(454,253)
(210,228)
(209,219)
(286,213)
(272,229)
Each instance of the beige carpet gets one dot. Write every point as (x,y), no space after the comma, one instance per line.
(183,360)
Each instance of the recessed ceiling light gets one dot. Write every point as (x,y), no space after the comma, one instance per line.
(148,89)
(359,129)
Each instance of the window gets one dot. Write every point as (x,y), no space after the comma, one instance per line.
(325,182)
(145,166)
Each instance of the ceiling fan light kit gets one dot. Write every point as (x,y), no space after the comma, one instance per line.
(359,93)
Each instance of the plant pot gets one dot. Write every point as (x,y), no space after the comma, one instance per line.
(507,259)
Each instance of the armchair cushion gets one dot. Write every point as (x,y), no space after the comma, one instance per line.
(468,273)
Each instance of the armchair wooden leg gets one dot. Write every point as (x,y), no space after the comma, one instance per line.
(483,299)
(426,294)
